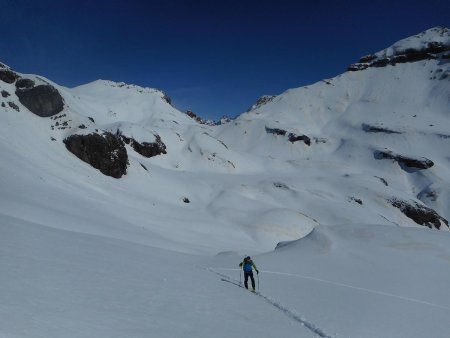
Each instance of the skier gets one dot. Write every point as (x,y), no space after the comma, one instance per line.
(247,265)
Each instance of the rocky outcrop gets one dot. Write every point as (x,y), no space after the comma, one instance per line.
(5,93)
(290,136)
(409,55)
(419,213)
(356,200)
(14,106)
(167,98)
(105,152)
(8,76)
(198,119)
(431,44)
(24,83)
(261,102)
(374,129)
(276,131)
(295,138)
(146,149)
(382,180)
(195,117)
(42,100)
(224,120)
(417,163)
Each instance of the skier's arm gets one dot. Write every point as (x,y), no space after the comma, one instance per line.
(256,269)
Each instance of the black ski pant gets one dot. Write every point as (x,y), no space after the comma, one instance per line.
(246,275)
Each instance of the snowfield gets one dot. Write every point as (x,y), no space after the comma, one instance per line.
(339,281)
(348,179)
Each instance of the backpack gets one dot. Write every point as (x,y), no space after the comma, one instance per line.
(248,265)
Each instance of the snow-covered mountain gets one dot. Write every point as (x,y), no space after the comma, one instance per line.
(117,164)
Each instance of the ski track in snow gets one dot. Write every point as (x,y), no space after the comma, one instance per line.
(275,304)
(377,292)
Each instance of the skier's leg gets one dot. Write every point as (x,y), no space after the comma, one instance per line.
(246,279)
(253,280)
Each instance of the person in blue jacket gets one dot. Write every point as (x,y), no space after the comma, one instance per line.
(248,265)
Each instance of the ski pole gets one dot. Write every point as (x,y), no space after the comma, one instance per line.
(240,276)
(258,280)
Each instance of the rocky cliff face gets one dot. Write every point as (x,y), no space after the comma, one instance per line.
(105,152)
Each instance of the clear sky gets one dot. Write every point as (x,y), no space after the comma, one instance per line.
(213,57)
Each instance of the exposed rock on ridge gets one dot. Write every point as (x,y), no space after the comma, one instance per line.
(262,101)
(146,149)
(431,44)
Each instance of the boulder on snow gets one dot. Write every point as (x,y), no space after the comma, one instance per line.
(5,93)
(105,152)
(419,213)
(42,100)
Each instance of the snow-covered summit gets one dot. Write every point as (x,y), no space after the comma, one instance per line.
(107,84)
(433,43)
(435,39)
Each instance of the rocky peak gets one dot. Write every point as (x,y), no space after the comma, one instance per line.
(433,43)
(261,101)
(198,119)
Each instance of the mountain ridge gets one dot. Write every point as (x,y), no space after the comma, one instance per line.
(367,146)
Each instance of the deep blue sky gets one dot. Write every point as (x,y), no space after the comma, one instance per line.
(214,57)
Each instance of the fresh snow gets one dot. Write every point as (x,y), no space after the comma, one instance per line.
(340,281)
(86,255)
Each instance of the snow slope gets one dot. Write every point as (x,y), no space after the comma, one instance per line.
(341,281)
(84,254)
